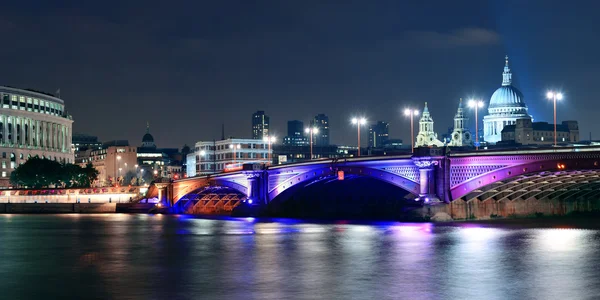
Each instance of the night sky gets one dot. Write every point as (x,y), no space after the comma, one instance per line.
(188,66)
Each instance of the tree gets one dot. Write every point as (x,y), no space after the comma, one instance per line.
(37,173)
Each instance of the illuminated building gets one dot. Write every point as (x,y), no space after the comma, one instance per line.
(378,134)
(288,154)
(114,160)
(32,124)
(260,125)
(426,136)
(321,122)
(229,154)
(525,132)
(506,106)
(295,134)
(460,136)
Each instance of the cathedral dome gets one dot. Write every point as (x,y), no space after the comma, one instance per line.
(147,138)
(507,96)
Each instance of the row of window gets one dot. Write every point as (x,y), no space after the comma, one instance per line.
(56,132)
(31,104)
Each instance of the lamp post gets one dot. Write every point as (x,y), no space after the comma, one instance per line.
(411,113)
(311,131)
(232,146)
(269,139)
(358,122)
(202,153)
(476,105)
(551,95)
(118,159)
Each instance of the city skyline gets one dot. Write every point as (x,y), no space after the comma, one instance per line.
(197,75)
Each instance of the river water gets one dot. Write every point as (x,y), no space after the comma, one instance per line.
(121,256)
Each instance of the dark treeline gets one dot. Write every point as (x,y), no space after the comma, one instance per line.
(38,173)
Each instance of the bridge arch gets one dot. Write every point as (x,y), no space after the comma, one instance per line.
(187,186)
(306,176)
(529,179)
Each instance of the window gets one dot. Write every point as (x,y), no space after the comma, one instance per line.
(6,100)
(3,174)
(3,164)
(12,164)
(21,156)
(3,154)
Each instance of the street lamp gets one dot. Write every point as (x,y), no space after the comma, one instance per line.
(551,95)
(311,132)
(202,153)
(270,139)
(358,122)
(476,105)
(118,159)
(232,146)
(411,113)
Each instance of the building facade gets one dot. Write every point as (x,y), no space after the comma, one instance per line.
(283,154)
(379,133)
(461,136)
(116,162)
(321,121)
(226,155)
(295,134)
(32,124)
(426,136)
(507,105)
(260,125)
(525,132)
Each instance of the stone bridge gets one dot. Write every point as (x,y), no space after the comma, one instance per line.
(487,182)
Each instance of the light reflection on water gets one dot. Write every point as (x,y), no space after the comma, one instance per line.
(178,257)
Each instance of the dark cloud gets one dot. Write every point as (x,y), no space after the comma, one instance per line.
(187,67)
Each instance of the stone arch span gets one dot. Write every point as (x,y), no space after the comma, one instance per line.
(503,177)
(306,176)
(188,186)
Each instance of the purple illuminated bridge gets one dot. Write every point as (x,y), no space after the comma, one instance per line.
(487,178)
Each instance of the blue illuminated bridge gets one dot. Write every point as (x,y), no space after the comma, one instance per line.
(464,185)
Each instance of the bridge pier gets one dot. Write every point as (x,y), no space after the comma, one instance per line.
(427,179)
(257,187)
(164,197)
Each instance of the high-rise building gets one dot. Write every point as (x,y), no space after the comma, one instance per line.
(260,125)
(295,134)
(378,134)
(507,105)
(321,121)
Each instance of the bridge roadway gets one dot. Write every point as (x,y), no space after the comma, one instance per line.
(501,181)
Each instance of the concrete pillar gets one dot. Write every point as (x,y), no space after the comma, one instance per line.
(427,168)
(257,187)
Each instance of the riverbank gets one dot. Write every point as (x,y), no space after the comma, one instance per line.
(58,208)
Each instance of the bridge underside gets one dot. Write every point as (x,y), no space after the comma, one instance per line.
(562,185)
(543,193)
(355,197)
(210,200)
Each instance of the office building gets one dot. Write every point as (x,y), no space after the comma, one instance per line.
(32,124)
(378,134)
(260,125)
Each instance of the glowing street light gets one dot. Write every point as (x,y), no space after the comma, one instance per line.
(311,131)
(232,146)
(201,154)
(411,113)
(551,95)
(358,122)
(476,105)
(118,159)
(270,139)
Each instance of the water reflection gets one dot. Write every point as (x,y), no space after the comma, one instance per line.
(178,257)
